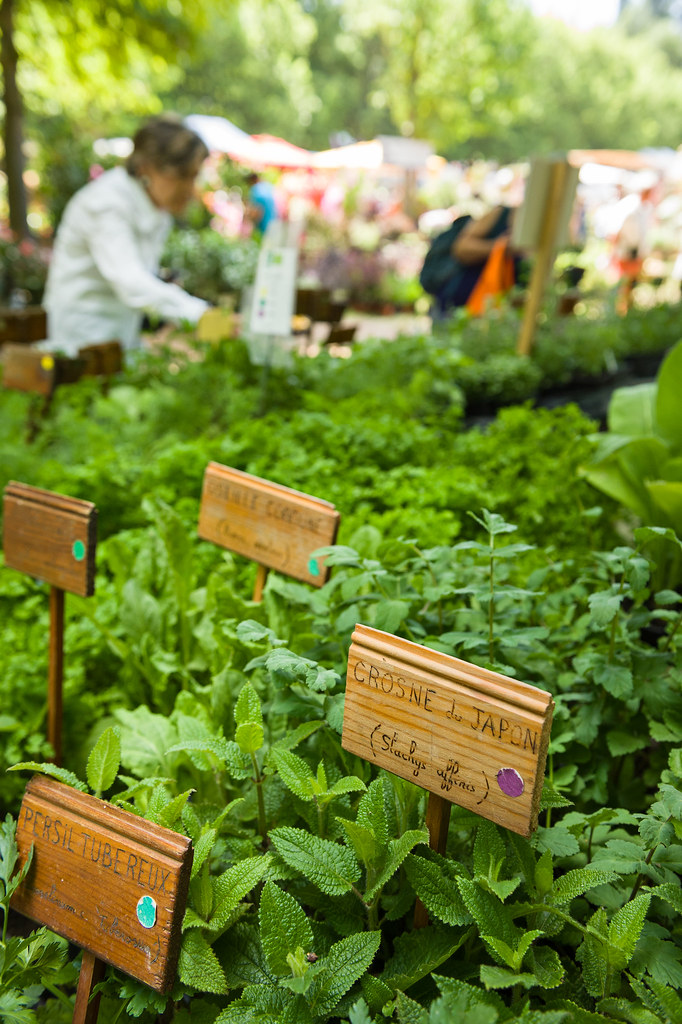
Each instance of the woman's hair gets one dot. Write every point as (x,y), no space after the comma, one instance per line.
(167,144)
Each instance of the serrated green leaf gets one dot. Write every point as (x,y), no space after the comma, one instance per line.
(593,955)
(655,832)
(489,850)
(53,770)
(295,773)
(104,761)
(331,867)
(417,954)
(346,961)
(372,810)
(233,885)
(439,893)
(502,977)
(604,606)
(410,1012)
(513,958)
(193,920)
(202,848)
(671,893)
(284,928)
(201,893)
(626,925)
(249,737)
(558,840)
(575,883)
(366,847)
(491,916)
(398,850)
(615,679)
(297,735)
(165,810)
(544,963)
(544,874)
(242,958)
(347,784)
(198,965)
(251,632)
(248,707)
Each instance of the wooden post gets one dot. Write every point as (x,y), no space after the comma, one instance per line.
(56,673)
(543,257)
(261,577)
(53,538)
(437,822)
(86,1009)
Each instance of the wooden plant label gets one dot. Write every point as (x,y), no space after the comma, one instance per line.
(474,737)
(270,524)
(111,882)
(27,369)
(51,537)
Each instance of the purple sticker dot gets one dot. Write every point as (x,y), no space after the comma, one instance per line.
(510,782)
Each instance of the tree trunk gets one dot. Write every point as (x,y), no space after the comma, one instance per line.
(13,128)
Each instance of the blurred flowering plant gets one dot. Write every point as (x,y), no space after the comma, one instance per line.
(23,269)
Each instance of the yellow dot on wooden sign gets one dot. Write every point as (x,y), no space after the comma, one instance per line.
(47,363)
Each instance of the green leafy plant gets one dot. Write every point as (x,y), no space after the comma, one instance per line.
(639,462)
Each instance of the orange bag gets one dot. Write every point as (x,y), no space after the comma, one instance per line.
(496,278)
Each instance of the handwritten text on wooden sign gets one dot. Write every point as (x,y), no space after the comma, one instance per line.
(474,737)
(50,536)
(278,527)
(105,879)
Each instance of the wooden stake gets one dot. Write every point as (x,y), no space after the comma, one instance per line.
(261,576)
(56,672)
(86,1009)
(543,257)
(437,822)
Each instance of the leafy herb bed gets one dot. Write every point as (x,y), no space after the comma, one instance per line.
(189,704)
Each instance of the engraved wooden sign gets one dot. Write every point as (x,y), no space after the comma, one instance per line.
(27,369)
(273,525)
(471,736)
(111,882)
(50,536)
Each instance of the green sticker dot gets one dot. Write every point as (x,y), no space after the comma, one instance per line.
(146,911)
(313,567)
(78,550)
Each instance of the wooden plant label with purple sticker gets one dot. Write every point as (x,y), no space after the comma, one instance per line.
(474,737)
(50,536)
(273,525)
(113,883)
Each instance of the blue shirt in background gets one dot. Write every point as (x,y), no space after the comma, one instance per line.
(262,195)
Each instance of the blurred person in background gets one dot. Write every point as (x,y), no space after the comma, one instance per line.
(261,206)
(635,218)
(103,273)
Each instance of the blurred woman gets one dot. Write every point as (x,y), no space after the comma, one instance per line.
(103,272)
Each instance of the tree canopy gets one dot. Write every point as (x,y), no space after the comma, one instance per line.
(475,77)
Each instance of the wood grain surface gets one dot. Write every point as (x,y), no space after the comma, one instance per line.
(268,523)
(474,737)
(51,537)
(110,882)
(27,369)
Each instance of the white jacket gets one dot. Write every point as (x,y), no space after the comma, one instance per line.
(102,275)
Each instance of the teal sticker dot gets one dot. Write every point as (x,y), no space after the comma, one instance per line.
(78,550)
(313,567)
(146,911)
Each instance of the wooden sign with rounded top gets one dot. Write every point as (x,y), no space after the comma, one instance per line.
(50,536)
(474,737)
(273,525)
(113,883)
